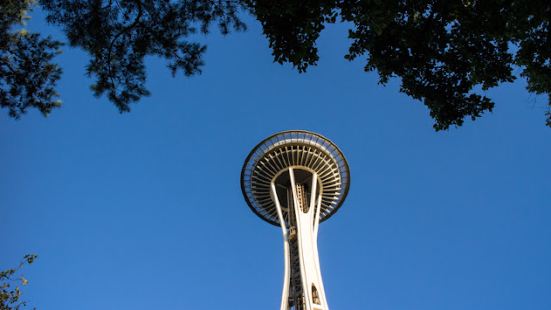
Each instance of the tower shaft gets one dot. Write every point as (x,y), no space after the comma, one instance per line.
(298,205)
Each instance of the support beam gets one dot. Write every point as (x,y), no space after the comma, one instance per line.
(302,287)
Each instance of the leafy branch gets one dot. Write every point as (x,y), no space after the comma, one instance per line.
(10,294)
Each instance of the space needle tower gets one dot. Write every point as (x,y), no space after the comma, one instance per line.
(297,179)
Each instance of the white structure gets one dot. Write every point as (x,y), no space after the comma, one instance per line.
(297,179)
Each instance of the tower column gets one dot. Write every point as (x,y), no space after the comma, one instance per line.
(302,287)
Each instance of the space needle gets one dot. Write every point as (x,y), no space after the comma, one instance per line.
(297,179)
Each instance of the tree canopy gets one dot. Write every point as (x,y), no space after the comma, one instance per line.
(27,75)
(445,53)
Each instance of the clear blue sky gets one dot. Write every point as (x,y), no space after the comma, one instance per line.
(144,211)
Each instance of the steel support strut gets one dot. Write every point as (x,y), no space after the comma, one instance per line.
(302,287)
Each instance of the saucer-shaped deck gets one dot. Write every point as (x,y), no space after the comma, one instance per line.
(300,150)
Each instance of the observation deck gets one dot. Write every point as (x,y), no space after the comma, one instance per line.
(308,154)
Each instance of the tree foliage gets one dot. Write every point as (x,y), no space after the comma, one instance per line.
(445,53)
(10,294)
(27,75)
(119,34)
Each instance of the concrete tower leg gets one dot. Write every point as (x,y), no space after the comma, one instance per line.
(303,286)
